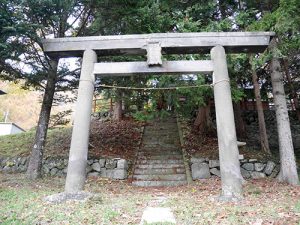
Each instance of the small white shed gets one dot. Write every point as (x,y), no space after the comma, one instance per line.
(10,128)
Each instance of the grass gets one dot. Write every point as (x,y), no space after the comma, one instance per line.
(20,144)
(265,201)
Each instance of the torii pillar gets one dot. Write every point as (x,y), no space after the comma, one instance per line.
(228,151)
(76,174)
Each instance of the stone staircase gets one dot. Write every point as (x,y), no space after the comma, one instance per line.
(159,160)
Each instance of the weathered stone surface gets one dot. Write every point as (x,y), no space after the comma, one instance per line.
(90,161)
(214,163)
(215,171)
(257,175)
(93,174)
(88,169)
(103,172)
(119,174)
(245,173)
(200,171)
(60,173)
(23,161)
(248,166)
(96,166)
(252,160)
(197,160)
(102,162)
(134,44)
(53,171)
(58,167)
(108,173)
(275,171)
(259,167)
(46,169)
(157,215)
(110,164)
(62,197)
(122,164)
(269,167)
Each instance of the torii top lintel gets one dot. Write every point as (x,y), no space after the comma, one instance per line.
(171,43)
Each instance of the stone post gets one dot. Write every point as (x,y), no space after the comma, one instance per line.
(80,136)
(228,151)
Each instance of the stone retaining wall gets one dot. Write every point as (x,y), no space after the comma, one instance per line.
(204,168)
(112,168)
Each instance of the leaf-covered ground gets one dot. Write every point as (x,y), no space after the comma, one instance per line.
(265,202)
(113,139)
(206,146)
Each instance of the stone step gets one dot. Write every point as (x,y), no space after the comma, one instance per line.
(158,161)
(164,132)
(160,177)
(160,166)
(158,183)
(155,153)
(167,146)
(160,148)
(160,157)
(159,171)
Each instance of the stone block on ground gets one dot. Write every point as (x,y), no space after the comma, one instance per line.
(214,163)
(259,167)
(197,160)
(269,167)
(102,162)
(53,171)
(88,169)
(157,215)
(107,173)
(275,171)
(215,172)
(200,171)
(119,174)
(252,160)
(90,161)
(248,166)
(96,166)
(122,164)
(110,164)
(63,197)
(245,173)
(257,175)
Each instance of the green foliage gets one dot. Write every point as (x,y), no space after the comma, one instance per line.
(150,114)
(142,116)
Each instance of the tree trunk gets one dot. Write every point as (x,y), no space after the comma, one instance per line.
(36,157)
(288,169)
(293,93)
(240,125)
(203,123)
(264,143)
(200,123)
(117,114)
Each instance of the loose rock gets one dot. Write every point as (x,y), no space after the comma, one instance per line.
(248,166)
(269,167)
(259,167)
(214,163)
(200,171)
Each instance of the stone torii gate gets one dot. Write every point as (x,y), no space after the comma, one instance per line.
(154,45)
